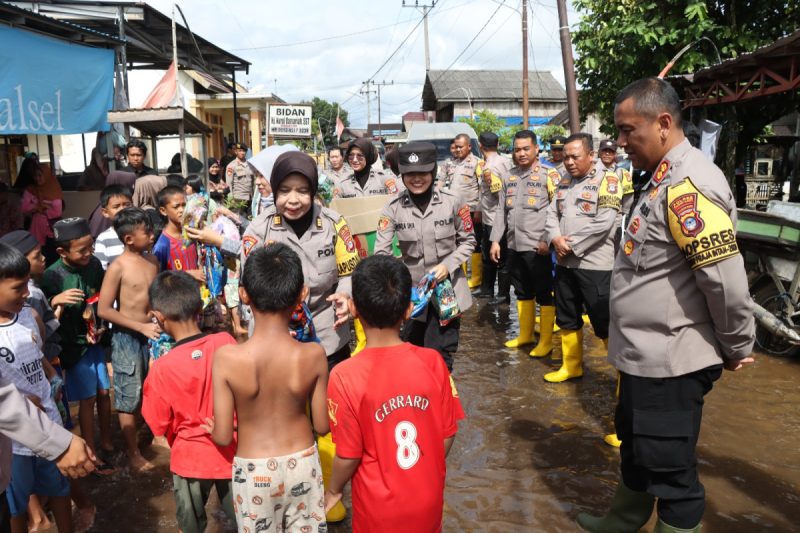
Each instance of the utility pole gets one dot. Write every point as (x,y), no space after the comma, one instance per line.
(367,91)
(569,68)
(425,10)
(384,83)
(525,114)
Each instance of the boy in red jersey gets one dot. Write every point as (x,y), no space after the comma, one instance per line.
(393,412)
(178,399)
(169,247)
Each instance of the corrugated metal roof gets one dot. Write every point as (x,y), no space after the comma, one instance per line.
(69,31)
(464,85)
(159,121)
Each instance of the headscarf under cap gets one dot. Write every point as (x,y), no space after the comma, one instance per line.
(294,163)
(366,146)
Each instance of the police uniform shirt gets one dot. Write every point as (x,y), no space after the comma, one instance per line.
(493,170)
(586,210)
(241,179)
(523,205)
(329,255)
(338,175)
(377,183)
(443,234)
(679,295)
(461,177)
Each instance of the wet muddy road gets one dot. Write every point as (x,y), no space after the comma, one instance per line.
(530,455)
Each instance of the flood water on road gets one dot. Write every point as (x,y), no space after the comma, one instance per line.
(530,455)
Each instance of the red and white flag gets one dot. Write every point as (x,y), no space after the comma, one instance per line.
(339,126)
(165,93)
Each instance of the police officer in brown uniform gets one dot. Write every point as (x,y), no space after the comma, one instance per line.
(434,233)
(581,223)
(557,154)
(337,169)
(462,175)
(495,166)
(522,215)
(240,176)
(364,180)
(680,310)
(321,238)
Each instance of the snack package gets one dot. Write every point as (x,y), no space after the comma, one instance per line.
(161,346)
(421,294)
(216,270)
(194,215)
(94,331)
(302,324)
(445,302)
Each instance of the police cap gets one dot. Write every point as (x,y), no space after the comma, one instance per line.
(608,144)
(417,156)
(558,142)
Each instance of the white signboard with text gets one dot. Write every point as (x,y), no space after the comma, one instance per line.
(287,120)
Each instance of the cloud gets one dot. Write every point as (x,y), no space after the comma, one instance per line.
(335,69)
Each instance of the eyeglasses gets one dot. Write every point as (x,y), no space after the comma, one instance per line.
(357,157)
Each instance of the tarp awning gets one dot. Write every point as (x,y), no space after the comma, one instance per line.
(51,87)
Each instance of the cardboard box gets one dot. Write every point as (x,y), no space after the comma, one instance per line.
(362,216)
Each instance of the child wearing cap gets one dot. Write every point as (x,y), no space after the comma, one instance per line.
(435,235)
(82,355)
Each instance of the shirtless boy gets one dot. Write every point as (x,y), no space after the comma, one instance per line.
(277,479)
(127,280)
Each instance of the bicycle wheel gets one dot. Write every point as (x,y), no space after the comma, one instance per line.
(765,339)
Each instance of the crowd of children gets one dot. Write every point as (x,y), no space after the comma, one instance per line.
(240,418)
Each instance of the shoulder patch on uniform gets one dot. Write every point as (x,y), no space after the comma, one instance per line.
(248,241)
(229,171)
(277,220)
(661,172)
(343,230)
(610,193)
(391,184)
(383,223)
(701,229)
(466,219)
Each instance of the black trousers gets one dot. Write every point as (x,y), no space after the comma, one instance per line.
(531,275)
(5,514)
(342,354)
(477,227)
(658,421)
(429,334)
(577,288)
(486,245)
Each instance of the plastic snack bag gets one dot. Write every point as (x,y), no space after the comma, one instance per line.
(94,331)
(421,294)
(302,324)
(161,346)
(194,215)
(445,302)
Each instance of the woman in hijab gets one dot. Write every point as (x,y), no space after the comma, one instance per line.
(365,180)
(94,177)
(145,191)
(328,253)
(42,198)
(217,188)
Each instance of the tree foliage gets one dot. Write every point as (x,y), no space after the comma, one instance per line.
(618,41)
(485,120)
(323,114)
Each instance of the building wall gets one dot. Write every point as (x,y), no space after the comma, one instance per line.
(509,109)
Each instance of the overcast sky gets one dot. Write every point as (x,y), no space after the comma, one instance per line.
(267,33)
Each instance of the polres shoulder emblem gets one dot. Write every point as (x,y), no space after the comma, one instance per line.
(685,208)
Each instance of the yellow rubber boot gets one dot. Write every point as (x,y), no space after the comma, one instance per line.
(572,357)
(361,338)
(536,328)
(612,439)
(327,451)
(476,266)
(545,344)
(526,309)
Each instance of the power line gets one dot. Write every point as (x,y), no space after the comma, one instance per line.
(490,37)
(470,43)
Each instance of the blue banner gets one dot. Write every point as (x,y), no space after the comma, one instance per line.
(51,87)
